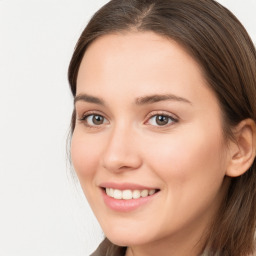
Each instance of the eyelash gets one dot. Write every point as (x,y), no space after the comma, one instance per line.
(171,120)
(84,119)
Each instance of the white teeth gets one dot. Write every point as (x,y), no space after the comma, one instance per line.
(129,194)
(111,192)
(136,194)
(144,193)
(118,194)
(152,191)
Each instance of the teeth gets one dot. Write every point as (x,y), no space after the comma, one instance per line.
(152,191)
(129,194)
(145,192)
(136,194)
(111,192)
(118,194)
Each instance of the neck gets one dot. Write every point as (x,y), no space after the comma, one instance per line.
(188,241)
(186,246)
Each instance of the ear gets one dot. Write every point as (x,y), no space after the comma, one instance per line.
(243,149)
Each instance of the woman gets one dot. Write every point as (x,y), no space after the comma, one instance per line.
(163,128)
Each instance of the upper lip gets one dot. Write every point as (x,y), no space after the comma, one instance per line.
(123,186)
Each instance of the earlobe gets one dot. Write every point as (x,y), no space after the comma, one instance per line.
(243,149)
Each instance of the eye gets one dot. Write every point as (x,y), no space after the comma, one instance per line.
(94,120)
(161,120)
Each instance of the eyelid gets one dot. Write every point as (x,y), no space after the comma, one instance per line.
(173,117)
(90,112)
(86,114)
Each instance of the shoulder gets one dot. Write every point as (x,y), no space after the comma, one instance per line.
(102,249)
(106,248)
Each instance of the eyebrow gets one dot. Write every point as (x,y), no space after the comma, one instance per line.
(88,98)
(160,97)
(139,101)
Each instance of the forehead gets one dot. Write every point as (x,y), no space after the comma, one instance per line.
(134,47)
(144,57)
(122,67)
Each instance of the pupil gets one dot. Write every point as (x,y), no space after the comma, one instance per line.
(162,120)
(98,120)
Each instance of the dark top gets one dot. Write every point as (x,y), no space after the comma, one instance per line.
(106,248)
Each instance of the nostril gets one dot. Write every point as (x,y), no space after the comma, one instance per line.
(120,153)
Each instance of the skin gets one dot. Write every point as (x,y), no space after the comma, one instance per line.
(186,159)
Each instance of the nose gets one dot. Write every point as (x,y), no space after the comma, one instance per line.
(121,151)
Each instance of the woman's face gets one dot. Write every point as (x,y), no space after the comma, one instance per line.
(148,146)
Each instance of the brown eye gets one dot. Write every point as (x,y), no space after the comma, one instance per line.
(94,120)
(97,120)
(161,120)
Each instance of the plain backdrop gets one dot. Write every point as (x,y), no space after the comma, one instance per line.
(42,209)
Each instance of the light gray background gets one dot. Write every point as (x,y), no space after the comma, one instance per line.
(42,210)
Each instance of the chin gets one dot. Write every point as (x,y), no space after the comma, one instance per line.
(125,236)
(128,237)
(125,241)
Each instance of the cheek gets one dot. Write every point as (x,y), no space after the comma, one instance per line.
(192,171)
(190,156)
(85,158)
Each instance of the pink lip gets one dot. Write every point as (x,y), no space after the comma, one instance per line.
(123,186)
(122,205)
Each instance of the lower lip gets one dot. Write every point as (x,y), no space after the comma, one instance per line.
(123,205)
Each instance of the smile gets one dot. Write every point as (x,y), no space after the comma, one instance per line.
(128,199)
(128,194)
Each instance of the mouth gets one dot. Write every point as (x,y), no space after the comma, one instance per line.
(127,197)
(129,194)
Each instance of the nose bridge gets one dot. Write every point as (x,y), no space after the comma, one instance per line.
(121,151)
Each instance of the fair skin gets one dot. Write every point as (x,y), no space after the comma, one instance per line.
(147,118)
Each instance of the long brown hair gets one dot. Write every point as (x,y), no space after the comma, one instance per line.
(222,47)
